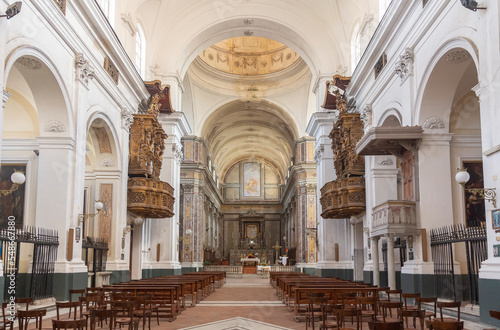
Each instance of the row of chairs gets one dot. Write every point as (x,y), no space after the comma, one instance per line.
(358,309)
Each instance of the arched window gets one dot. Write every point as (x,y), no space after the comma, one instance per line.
(355,47)
(140,51)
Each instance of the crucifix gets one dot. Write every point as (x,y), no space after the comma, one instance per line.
(277,248)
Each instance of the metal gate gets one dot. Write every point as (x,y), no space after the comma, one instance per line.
(99,256)
(45,243)
(476,251)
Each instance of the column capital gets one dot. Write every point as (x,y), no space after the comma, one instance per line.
(389,236)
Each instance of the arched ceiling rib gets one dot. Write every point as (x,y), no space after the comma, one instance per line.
(250,129)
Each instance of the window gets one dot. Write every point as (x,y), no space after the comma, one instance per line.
(355,48)
(140,51)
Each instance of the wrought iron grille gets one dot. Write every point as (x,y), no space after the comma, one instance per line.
(45,243)
(476,250)
(98,256)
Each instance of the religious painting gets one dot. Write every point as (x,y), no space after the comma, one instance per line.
(12,205)
(251,179)
(474,203)
(251,231)
(496,251)
(495,219)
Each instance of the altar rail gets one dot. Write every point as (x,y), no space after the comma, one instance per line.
(239,269)
(227,269)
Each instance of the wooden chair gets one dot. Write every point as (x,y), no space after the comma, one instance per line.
(404,315)
(367,306)
(436,324)
(343,314)
(394,295)
(26,301)
(68,305)
(387,308)
(80,293)
(97,316)
(316,301)
(91,302)
(78,324)
(123,314)
(326,310)
(141,309)
(407,297)
(427,300)
(377,325)
(348,299)
(6,321)
(24,317)
(382,294)
(453,304)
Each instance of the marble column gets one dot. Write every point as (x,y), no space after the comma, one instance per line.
(375,260)
(391,269)
(166,231)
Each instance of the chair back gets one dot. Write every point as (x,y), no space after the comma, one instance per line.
(4,316)
(80,293)
(26,301)
(23,318)
(394,295)
(377,325)
(367,303)
(388,306)
(405,314)
(353,314)
(436,324)
(98,316)
(78,324)
(71,305)
(446,304)
(407,297)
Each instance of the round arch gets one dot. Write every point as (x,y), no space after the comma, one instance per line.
(48,89)
(432,80)
(110,130)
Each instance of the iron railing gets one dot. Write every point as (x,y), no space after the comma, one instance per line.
(45,243)
(476,250)
(99,256)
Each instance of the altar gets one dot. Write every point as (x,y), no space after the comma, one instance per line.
(250,261)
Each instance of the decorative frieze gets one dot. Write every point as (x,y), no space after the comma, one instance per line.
(127,119)
(111,69)
(404,67)
(54,126)
(83,70)
(29,63)
(385,161)
(366,115)
(107,162)
(457,56)
(433,123)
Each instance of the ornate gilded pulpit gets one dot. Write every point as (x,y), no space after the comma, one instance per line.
(345,196)
(148,196)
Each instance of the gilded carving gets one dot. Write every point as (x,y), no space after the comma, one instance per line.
(345,197)
(147,195)
(111,69)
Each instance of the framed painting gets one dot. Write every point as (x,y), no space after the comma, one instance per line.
(251,231)
(474,204)
(12,205)
(251,180)
(495,219)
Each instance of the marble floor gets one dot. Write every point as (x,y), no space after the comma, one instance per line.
(248,303)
